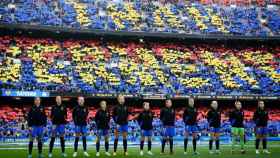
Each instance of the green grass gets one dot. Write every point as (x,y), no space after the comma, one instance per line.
(134,152)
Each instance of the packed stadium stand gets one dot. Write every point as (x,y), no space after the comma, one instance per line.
(226,17)
(95,66)
(134,63)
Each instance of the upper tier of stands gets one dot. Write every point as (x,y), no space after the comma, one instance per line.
(227,17)
(96,66)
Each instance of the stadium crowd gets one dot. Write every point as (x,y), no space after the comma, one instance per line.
(93,66)
(261,18)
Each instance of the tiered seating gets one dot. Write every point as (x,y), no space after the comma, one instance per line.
(246,19)
(107,67)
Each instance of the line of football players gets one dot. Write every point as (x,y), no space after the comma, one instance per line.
(37,121)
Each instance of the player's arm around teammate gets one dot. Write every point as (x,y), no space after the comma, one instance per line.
(58,118)
(145,120)
(37,121)
(102,120)
(214,120)
(80,114)
(261,118)
(190,119)
(167,117)
(120,117)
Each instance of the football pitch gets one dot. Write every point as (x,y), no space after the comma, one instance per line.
(21,152)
